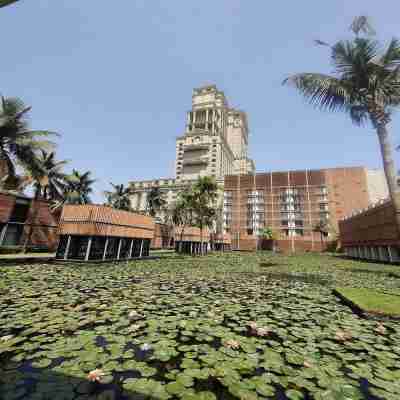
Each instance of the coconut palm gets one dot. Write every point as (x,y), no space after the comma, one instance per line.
(119,198)
(182,213)
(45,174)
(365,85)
(78,188)
(18,144)
(4,3)
(205,192)
(155,201)
(323,228)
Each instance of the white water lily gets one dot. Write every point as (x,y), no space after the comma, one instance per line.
(6,338)
(145,347)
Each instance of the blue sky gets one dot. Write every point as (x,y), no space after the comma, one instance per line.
(116,78)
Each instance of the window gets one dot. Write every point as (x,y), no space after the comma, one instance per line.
(249,231)
(13,235)
(20,211)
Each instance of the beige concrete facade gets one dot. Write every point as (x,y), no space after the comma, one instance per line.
(214,143)
(377,185)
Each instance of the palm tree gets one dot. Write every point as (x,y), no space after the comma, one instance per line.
(119,198)
(18,144)
(47,178)
(365,85)
(205,195)
(4,3)
(323,228)
(155,201)
(182,212)
(78,188)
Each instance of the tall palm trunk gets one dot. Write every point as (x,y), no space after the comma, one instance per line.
(390,169)
(180,243)
(3,167)
(35,212)
(201,240)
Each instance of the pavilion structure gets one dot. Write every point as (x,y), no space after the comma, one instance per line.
(101,233)
(222,242)
(190,240)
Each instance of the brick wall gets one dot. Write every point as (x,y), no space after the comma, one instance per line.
(6,206)
(375,226)
(162,237)
(45,223)
(342,190)
(348,191)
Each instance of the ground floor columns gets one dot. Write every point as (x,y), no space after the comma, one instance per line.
(89,245)
(119,248)
(141,248)
(67,247)
(105,249)
(390,254)
(3,234)
(131,249)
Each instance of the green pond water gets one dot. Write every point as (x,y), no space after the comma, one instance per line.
(231,326)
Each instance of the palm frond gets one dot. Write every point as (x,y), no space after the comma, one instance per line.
(359,115)
(322,91)
(351,59)
(391,57)
(362,24)
(321,43)
(4,3)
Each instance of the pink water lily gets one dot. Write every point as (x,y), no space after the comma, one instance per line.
(262,331)
(343,336)
(380,329)
(95,375)
(253,325)
(232,344)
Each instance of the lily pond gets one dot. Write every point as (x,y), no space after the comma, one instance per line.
(227,326)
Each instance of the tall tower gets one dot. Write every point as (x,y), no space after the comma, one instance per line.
(215,139)
(238,140)
(214,143)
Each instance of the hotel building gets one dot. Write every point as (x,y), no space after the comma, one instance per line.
(292,203)
(215,143)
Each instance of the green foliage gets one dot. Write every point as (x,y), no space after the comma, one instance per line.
(155,201)
(366,83)
(184,311)
(119,198)
(46,176)
(19,146)
(268,233)
(372,301)
(78,188)
(4,3)
(205,194)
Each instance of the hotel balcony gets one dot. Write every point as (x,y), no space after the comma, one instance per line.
(195,147)
(196,161)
